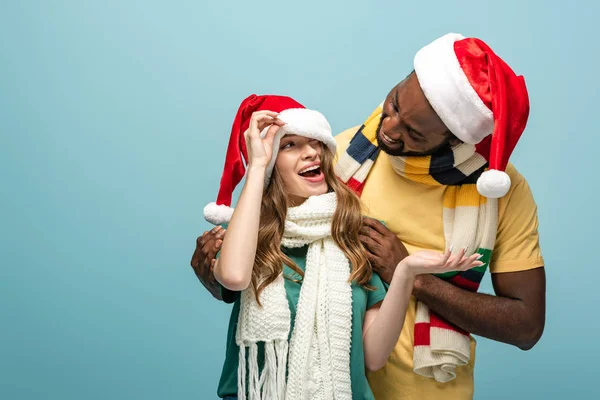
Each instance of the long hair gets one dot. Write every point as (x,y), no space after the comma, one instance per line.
(346,225)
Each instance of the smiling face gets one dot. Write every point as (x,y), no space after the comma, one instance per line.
(298,164)
(409,126)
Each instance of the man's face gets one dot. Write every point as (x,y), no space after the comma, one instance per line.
(409,126)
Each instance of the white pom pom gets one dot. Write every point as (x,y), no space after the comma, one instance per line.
(493,184)
(217,214)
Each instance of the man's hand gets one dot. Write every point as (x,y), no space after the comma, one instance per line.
(384,248)
(203,260)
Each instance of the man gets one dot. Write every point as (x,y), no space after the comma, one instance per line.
(460,113)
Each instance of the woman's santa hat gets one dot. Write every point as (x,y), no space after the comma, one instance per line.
(479,98)
(298,121)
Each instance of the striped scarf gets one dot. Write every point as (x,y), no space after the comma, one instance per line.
(470,221)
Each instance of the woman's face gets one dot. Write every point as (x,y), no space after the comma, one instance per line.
(299,165)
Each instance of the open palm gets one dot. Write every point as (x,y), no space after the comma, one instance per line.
(433,262)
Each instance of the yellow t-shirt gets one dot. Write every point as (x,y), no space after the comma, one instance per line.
(413,211)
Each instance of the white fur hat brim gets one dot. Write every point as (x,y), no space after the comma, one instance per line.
(302,122)
(449,92)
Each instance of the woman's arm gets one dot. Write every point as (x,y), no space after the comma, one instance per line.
(233,270)
(383,322)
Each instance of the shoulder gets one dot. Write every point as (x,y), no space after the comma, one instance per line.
(519,192)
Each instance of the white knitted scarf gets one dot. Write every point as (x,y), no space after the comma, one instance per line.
(319,350)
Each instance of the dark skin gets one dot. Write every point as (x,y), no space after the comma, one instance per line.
(203,259)
(515,315)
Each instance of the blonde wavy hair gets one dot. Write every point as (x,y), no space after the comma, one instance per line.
(346,225)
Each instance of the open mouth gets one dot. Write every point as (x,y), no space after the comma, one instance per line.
(312,173)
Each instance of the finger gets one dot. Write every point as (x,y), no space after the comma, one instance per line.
(264,119)
(370,244)
(197,251)
(265,122)
(271,132)
(376,225)
(255,122)
(216,229)
(471,262)
(218,232)
(375,262)
(372,233)
(474,264)
(260,113)
(445,257)
(279,122)
(454,261)
(465,266)
(221,233)
(208,250)
(212,252)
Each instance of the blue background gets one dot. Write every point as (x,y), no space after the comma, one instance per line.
(114,119)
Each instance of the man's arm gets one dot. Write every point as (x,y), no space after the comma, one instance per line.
(516,315)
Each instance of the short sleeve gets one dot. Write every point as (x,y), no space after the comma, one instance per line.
(379,292)
(517,245)
(228,296)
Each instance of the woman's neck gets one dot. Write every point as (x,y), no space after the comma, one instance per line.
(295,201)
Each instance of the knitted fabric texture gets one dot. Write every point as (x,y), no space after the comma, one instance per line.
(470,221)
(318,364)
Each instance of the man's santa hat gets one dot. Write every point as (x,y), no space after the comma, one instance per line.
(479,98)
(298,121)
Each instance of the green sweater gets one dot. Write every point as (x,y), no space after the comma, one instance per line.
(362,300)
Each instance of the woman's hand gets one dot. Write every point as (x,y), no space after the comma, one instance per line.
(432,262)
(260,149)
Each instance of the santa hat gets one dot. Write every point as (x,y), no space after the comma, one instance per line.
(298,121)
(479,98)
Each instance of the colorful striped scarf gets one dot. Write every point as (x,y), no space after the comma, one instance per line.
(470,221)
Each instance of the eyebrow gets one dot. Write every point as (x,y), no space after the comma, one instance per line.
(412,130)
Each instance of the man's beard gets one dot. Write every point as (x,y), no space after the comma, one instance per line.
(399,151)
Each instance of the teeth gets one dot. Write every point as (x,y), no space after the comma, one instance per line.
(309,169)
(389,139)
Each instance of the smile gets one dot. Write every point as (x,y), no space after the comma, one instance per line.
(312,173)
(389,139)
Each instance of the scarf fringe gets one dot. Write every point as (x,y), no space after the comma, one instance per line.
(281,350)
(253,381)
(242,374)
(270,384)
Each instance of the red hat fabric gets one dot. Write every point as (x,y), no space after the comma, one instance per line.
(479,98)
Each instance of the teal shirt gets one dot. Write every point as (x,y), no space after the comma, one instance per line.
(362,300)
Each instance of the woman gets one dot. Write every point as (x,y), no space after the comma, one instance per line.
(310,315)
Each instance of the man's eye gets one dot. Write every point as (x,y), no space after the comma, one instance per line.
(413,136)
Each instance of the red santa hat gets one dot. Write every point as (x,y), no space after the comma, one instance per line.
(298,121)
(479,98)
